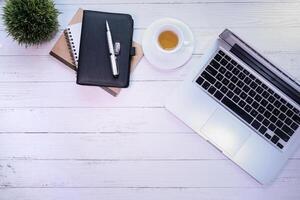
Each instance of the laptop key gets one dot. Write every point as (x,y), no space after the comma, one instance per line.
(282,135)
(296,118)
(252,76)
(283,108)
(212,90)
(283,101)
(255,124)
(271,99)
(270,107)
(227,58)
(218,95)
(257,81)
(255,104)
(296,110)
(231,86)
(262,129)
(221,53)
(277,104)
(241,75)
(247,80)
(279,123)
(237,91)
(224,62)
(205,85)
(287,130)
(218,57)
(289,106)
(259,117)
(243,95)
(249,100)
(252,93)
(279,145)
(294,126)
(222,70)
(240,84)
(200,80)
(235,71)
(224,89)
(242,103)
(259,90)
(289,113)
(273,119)
(246,72)
(229,66)
(219,77)
(258,98)
(288,121)
(267,136)
(264,102)
(236,109)
(282,116)
(208,77)
(236,99)
(225,81)
(234,79)
(233,62)
(229,94)
(228,75)
(275,139)
(239,67)
(276,112)
(215,64)
(266,122)
(211,70)
(261,109)
(267,114)
(265,94)
(246,88)
(272,127)
(253,85)
(253,113)
(218,85)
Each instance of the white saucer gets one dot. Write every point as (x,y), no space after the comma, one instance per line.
(163,60)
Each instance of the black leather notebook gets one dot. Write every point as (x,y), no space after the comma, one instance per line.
(94,65)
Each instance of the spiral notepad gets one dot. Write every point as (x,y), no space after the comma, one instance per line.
(73,34)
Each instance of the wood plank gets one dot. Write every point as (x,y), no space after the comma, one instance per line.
(89,120)
(66,94)
(74,2)
(291,193)
(113,146)
(262,39)
(48,69)
(199,15)
(196,173)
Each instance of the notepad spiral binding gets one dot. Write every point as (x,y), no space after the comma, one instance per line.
(71,46)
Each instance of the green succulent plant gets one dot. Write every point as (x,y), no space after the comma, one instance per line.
(30,22)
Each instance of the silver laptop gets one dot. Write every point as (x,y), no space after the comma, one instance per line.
(243,105)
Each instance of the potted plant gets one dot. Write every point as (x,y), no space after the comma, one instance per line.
(30,22)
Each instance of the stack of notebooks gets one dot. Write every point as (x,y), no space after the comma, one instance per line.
(83,47)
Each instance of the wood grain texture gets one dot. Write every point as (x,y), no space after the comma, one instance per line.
(150,193)
(113,146)
(61,141)
(141,173)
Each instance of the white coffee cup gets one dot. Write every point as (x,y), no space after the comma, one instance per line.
(177,31)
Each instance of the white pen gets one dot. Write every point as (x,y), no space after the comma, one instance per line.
(111,51)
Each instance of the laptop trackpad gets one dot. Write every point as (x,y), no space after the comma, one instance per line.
(225,131)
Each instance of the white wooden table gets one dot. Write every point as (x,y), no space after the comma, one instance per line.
(62,141)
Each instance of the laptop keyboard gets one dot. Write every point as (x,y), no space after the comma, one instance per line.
(245,95)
